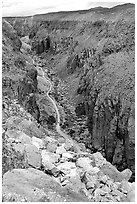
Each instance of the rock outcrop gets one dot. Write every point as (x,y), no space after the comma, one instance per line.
(42,45)
(9,32)
(26,93)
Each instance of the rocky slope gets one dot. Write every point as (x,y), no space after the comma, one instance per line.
(89,58)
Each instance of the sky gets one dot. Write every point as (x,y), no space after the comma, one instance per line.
(31,7)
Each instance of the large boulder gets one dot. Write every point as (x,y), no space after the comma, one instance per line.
(32,185)
(33,156)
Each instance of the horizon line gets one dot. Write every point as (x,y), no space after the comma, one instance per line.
(21,16)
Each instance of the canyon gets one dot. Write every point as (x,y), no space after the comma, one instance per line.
(68,81)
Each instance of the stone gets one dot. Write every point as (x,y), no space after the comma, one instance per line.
(131,194)
(90,179)
(126,174)
(12,133)
(99,159)
(37,142)
(19,148)
(18,136)
(33,156)
(3,131)
(110,198)
(109,170)
(13,122)
(74,182)
(23,138)
(104,199)
(124,186)
(90,185)
(117,193)
(85,163)
(48,166)
(32,185)
(98,193)
(81,173)
(30,128)
(61,140)
(110,182)
(66,167)
(67,155)
(114,186)
(82,147)
(103,179)
(94,170)
(54,171)
(106,189)
(73,174)
(60,150)
(65,182)
(68,146)
(51,147)
(49,157)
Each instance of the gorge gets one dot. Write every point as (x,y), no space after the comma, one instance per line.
(68,81)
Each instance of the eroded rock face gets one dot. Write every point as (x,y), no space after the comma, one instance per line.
(37,187)
(42,45)
(26,93)
(111,126)
(11,34)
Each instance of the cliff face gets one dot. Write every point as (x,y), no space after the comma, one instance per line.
(92,55)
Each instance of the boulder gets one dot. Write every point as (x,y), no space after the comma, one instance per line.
(19,148)
(30,128)
(85,163)
(66,167)
(37,142)
(13,122)
(67,156)
(52,146)
(90,180)
(60,150)
(32,185)
(18,136)
(99,159)
(98,193)
(109,170)
(33,156)
(68,146)
(131,194)
(23,138)
(49,157)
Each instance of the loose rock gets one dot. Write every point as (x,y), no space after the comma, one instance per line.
(38,142)
(33,156)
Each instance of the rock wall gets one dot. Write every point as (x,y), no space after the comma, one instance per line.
(110,120)
(8,30)
(27,89)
